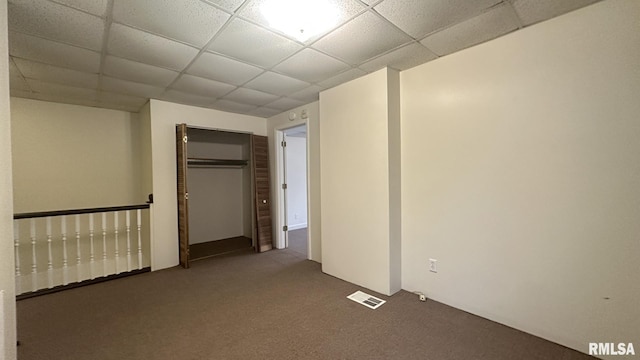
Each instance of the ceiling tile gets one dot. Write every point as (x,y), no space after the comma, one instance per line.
(138,72)
(57,98)
(148,48)
(56,22)
(342,78)
(130,88)
(307,95)
(63,91)
(51,52)
(250,96)
(361,39)
(311,65)
(229,5)
(404,58)
(276,84)
(253,44)
(185,98)
(346,10)
(493,23)
(533,11)
(16,80)
(232,106)
(190,21)
(132,103)
(264,112)
(201,86)
(223,69)
(95,7)
(285,104)
(421,17)
(58,75)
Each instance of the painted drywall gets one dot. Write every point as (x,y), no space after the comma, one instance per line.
(7,278)
(164,117)
(216,195)
(357,230)
(520,175)
(278,123)
(71,156)
(296,182)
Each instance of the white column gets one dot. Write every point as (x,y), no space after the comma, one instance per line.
(78,250)
(128,224)
(115,235)
(104,244)
(34,266)
(65,268)
(139,218)
(16,243)
(50,256)
(91,255)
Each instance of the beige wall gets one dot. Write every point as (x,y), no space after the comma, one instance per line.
(7,280)
(281,122)
(296,182)
(521,177)
(360,239)
(164,117)
(71,156)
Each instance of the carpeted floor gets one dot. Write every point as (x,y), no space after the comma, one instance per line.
(298,241)
(243,305)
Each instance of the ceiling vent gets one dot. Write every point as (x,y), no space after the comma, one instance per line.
(367,300)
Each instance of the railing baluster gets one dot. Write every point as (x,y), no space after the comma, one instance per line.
(78,250)
(128,222)
(34,266)
(104,244)
(139,218)
(65,268)
(50,256)
(115,236)
(16,243)
(91,256)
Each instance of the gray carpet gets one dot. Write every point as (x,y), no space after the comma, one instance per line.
(298,241)
(243,305)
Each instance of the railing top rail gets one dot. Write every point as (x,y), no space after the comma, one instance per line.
(78,211)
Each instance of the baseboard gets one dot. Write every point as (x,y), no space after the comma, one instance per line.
(297,226)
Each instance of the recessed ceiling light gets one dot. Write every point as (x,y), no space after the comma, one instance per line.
(300,19)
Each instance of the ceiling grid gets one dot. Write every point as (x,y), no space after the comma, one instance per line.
(222,54)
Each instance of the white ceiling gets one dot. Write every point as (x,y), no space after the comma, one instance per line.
(221,54)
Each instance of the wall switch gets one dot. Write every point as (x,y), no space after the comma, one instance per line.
(433,265)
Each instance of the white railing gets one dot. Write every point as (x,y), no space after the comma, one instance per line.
(44,247)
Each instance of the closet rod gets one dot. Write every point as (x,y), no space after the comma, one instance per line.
(215,162)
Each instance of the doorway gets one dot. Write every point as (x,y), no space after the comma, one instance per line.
(294,193)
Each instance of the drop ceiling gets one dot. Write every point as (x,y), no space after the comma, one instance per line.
(221,54)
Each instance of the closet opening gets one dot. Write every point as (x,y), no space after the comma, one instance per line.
(220,199)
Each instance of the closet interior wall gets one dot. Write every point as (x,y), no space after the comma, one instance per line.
(220,197)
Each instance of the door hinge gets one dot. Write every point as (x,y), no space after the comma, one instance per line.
(283,144)
(186,196)
(284,186)
(285,228)
(185,139)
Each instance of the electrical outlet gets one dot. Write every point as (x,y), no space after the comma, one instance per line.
(433,265)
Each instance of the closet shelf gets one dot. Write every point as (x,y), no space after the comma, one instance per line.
(202,162)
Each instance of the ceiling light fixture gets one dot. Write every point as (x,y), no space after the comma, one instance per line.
(300,19)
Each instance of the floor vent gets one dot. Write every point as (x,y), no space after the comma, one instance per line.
(367,300)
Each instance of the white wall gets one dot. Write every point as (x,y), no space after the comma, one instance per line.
(216,195)
(164,117)
(281,122)
(71,156)
(7,280)
(296,182)
(358,131)
(520,175)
